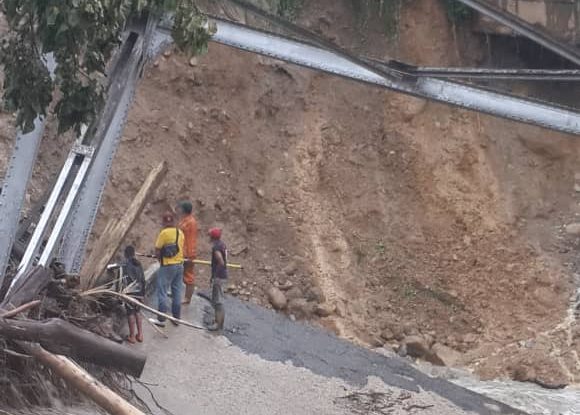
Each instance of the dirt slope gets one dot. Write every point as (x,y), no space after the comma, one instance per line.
(401,217)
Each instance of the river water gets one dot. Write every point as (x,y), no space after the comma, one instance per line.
(527,397)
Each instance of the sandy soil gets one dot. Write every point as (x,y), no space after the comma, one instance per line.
(410,217)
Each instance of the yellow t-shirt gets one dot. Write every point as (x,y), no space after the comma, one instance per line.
(167,237)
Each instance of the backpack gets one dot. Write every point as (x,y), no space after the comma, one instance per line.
(170,250)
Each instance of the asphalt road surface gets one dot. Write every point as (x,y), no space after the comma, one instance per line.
(266,364)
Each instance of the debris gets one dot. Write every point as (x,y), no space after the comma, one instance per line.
(277,298)
(315,294)
(445,355)
(291,268)
(294,293)
(416,346)
(301,308)
(387,334)
(116,230)
(324,310)
(573,229)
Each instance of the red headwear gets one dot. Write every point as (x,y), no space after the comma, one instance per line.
(215,233)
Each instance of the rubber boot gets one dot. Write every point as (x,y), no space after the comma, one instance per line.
(189,289)
(220,316)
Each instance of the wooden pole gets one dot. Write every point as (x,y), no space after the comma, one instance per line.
(78,378)
(111,240)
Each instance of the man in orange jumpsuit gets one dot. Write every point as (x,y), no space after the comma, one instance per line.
(188,226)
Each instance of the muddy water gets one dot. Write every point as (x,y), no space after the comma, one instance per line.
(527,397)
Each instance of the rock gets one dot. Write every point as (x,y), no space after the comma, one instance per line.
(315,294)
(301,308)
(469,338)
(445,355)
(167,52)
(287,286)
(573,229)
(577,188)
(294,293)
(410,329)
(291,268)
(260,192)
(340,309)
(324,310)
(522,373)
(193,62)
(277,298)
(387,334)
(416,346)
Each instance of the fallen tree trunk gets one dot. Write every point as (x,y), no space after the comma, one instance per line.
(61,337)
(78,378)
(111,240)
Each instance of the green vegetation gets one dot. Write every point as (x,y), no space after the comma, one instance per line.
(82,35)
(388,10)
(457,11)
(288,8)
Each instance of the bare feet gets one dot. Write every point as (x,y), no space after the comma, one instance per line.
(139,338)
(131,339)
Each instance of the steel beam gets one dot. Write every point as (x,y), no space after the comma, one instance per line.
(41,227)
(64,213)
(124,82)
(16,180)
(503,105)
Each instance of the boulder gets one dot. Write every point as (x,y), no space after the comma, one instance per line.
(470,338)
(301,308)
(387,334)
(341,309)
(444,356)
(315,294)
(277,298)
(416,346)
(291,268)
(294,293)
(573,229)
(324,310)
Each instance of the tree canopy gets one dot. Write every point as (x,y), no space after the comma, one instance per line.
(82,35)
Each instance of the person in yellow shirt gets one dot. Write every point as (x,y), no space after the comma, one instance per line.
(169,251)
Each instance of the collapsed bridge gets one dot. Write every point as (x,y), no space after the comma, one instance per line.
(60,226)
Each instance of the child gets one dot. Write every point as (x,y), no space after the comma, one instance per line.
(134,286)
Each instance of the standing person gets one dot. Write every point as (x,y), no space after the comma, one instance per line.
(188,226)
(219,275)
(169,251)
(133,285)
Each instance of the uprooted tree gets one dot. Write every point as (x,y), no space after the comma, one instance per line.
(82,35)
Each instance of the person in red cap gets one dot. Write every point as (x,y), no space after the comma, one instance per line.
(219,275)
(169,251)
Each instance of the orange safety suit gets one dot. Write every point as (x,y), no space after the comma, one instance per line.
(189,227)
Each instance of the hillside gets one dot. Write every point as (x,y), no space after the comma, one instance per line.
(398,216)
